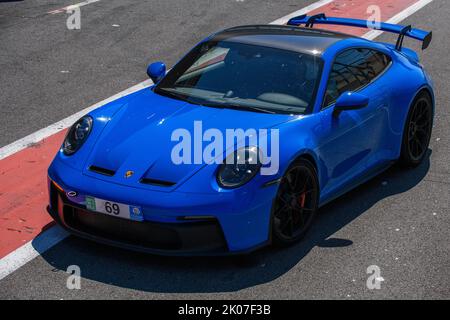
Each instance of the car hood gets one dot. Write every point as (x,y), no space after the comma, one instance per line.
(137,139)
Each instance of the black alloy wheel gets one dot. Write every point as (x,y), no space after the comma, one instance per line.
(417,132)
(296,203)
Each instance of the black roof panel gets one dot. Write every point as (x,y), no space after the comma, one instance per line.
(305,40)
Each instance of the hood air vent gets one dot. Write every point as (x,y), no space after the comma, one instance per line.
(156,182)
(103,171)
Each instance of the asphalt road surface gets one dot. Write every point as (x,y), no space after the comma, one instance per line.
(398,221)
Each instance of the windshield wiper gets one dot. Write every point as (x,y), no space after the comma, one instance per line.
(236,107)
(249,108)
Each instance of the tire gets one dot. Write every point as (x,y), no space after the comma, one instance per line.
(417,131)
(296,203)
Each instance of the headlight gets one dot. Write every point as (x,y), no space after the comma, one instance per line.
(239,168)
(77,135)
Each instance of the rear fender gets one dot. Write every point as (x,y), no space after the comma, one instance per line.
(407,52)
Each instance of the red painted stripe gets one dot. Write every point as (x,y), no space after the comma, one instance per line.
(358,9)
(23,189)
(23,193)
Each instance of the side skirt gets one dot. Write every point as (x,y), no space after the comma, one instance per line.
(350,186)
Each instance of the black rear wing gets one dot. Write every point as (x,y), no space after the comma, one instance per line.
(402,31)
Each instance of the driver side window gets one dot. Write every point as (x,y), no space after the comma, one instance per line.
(352,70)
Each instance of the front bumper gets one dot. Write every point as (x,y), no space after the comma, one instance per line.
(235,224)
(203,237)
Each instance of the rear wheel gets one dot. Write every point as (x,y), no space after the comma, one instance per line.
(417,131)
(296,203)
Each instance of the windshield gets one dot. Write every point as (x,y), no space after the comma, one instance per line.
(241,76)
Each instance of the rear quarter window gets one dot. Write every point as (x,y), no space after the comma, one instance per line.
(352,70)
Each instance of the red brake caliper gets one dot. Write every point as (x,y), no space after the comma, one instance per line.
(301,199)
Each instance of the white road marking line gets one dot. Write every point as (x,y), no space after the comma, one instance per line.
(54,235)
(31,250)
(311,7)
(399,17)
(73,6)
(61,125)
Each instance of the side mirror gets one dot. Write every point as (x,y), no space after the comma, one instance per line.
(156,71)
(350,101)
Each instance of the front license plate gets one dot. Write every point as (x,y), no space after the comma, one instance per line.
(114,209)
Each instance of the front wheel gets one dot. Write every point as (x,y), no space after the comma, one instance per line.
(417,131)
(296,203)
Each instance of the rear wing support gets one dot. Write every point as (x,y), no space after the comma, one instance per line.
(401,37)
(402,31)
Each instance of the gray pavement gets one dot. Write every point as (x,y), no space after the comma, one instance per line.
(398,221)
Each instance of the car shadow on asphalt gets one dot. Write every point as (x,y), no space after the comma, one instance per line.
(149,273)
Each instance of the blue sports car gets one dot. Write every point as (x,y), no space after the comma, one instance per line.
(240,143)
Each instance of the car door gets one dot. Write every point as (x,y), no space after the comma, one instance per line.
(352,138)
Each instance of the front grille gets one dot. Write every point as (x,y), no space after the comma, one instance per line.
(201,236)
(103,171)
(131,232)
(155,182)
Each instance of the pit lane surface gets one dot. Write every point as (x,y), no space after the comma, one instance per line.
(397,221)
